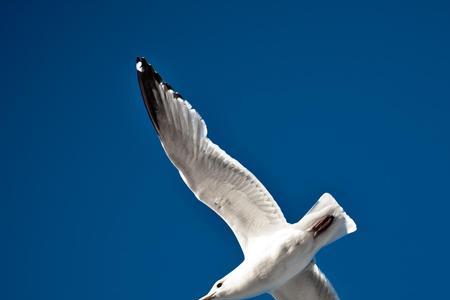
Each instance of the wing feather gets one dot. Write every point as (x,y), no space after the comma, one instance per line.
(215,178)
(310,284)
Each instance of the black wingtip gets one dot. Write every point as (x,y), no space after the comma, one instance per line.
(148,81)
(143,60)
(142,66)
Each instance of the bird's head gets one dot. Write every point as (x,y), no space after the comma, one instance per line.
(221,290)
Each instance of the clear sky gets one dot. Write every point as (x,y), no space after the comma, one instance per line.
(346,97)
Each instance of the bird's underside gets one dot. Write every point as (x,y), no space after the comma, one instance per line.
(221,182)
(310,284)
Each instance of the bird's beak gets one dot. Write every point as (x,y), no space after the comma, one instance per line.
(209,297)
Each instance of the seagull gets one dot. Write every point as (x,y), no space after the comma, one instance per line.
(278,256)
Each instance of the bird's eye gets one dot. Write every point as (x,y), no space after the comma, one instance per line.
(219,284)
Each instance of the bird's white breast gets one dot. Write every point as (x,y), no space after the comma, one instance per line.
(273,263)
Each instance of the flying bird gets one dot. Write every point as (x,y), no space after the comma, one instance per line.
(278,256)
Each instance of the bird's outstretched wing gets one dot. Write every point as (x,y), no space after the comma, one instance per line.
(215,178)
(310,284)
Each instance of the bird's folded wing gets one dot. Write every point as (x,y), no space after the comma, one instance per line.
(310,284)
(216,179)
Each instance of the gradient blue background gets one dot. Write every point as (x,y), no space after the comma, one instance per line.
(313,97)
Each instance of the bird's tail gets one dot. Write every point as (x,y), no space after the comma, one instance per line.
(327,221)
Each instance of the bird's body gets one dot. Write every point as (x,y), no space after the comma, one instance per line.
(279,257)
(284,253)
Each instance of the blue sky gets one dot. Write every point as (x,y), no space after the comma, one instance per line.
(344,97)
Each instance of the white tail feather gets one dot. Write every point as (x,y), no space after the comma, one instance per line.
(327,206)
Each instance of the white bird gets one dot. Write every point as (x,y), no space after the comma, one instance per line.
(278,256)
